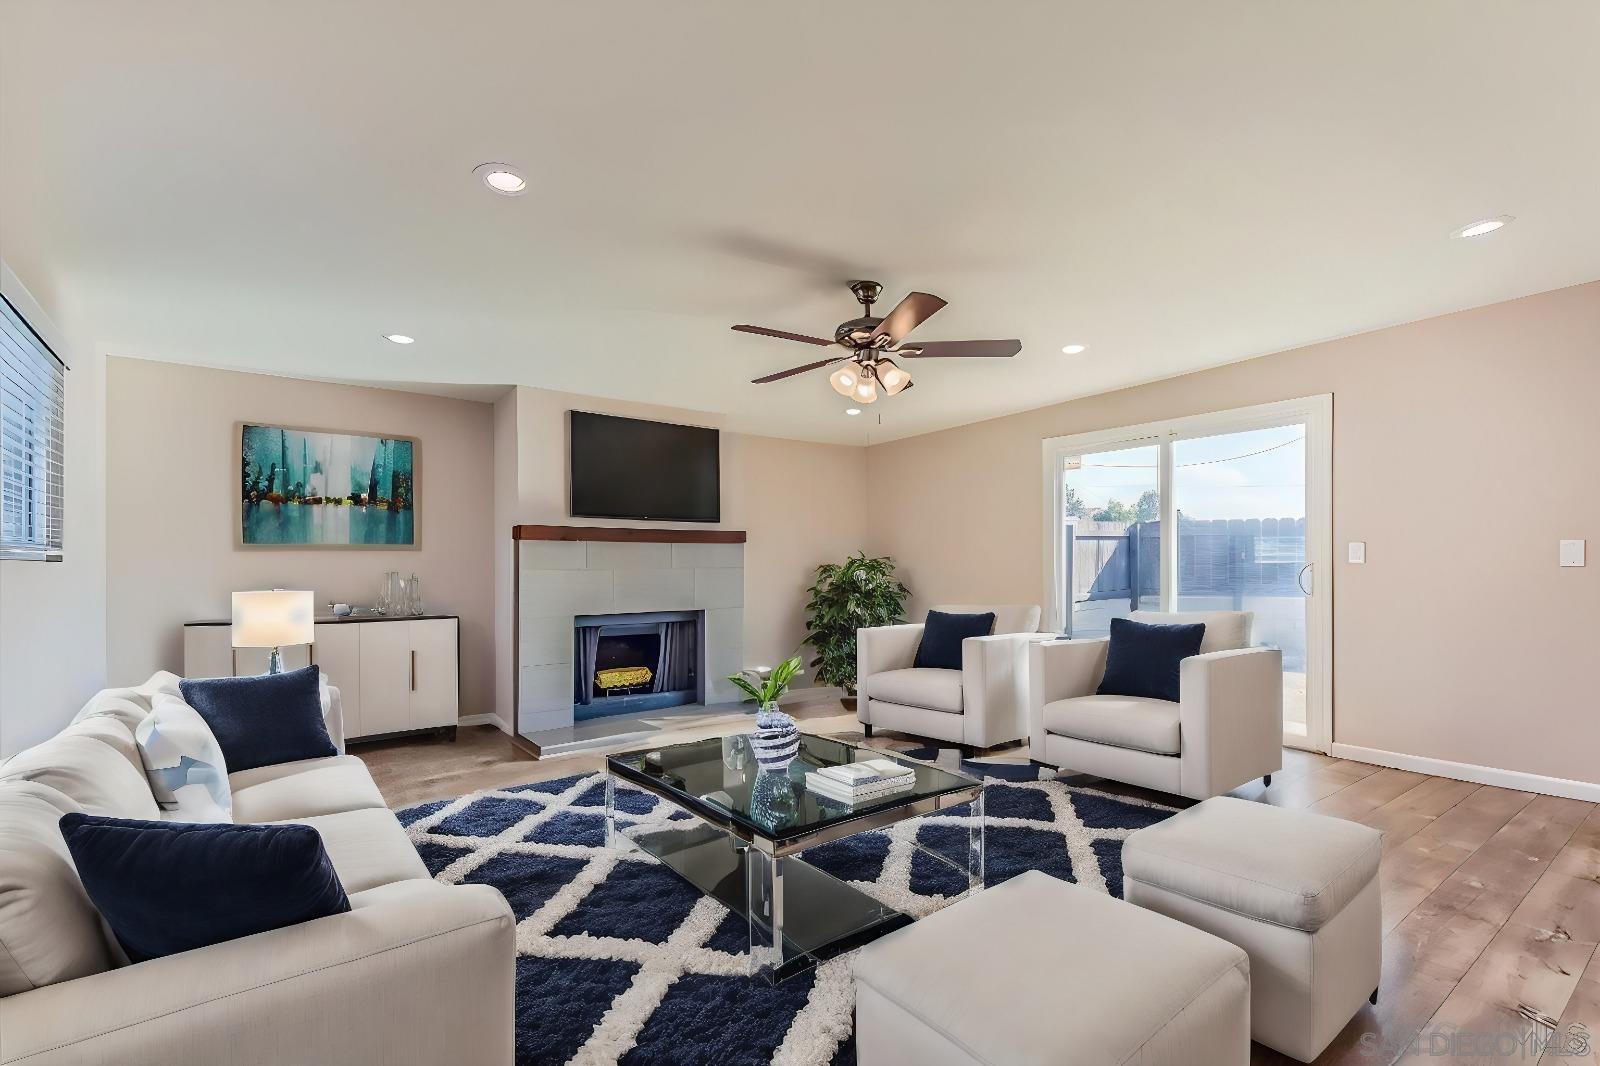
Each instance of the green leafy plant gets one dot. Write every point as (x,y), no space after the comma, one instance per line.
(766,691)
(859,593)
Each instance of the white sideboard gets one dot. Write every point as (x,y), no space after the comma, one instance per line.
(395,675)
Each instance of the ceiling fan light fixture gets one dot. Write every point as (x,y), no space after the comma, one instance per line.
(845,379)
(866,390)
(892,378)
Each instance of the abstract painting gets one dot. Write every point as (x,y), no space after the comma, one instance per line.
(304,488)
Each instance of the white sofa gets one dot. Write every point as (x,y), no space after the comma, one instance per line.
(417,972)
(978,706)
(1226,729)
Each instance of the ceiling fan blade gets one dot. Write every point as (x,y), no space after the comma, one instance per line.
(780,375)
(762,331)
(962,349)
(907,315)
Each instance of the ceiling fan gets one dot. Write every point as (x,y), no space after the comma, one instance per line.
(864,346)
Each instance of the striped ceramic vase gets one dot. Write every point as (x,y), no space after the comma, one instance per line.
(776,740)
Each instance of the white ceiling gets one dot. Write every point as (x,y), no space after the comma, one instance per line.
(273,185)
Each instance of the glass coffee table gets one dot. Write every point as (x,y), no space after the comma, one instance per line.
(745,844)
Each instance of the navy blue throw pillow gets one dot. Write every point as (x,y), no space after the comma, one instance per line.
(1143,659)
(265,720)
(166,887)
(942,636)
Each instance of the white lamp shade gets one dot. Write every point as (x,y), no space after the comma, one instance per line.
(273,619)
(844,379)
(892,378)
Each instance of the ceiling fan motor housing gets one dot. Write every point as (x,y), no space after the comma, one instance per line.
(856,332)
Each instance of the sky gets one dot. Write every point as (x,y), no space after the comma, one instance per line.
(1256,474)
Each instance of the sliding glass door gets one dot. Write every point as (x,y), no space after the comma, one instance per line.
(1225,511)
(1241,504)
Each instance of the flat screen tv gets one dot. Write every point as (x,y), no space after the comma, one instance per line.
(652,471)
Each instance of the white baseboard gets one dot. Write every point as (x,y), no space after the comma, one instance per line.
(483,719)
(811,695)
(1465,771)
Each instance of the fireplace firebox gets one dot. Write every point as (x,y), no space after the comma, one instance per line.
(627,663)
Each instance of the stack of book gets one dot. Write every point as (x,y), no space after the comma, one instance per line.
(860,781)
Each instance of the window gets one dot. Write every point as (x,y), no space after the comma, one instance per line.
(32,387)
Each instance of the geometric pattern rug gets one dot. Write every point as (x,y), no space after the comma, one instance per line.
(621,962)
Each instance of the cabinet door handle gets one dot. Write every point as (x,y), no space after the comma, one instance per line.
(413,669)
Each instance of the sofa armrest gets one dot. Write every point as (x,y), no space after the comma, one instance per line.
(994,687)
(1060,670)
(416,973)
(881,648)
(1231,719)
(333,713)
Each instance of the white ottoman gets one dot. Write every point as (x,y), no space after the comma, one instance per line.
(1037,971)
(1297,891)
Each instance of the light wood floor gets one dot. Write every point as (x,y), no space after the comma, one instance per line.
(1491,898)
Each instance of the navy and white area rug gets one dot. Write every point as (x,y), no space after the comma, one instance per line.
(619,961)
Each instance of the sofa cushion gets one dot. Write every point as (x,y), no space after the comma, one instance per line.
(368,848)
(1225,630)
(1290,868)
(49,931)
(95,762)
(942,634)
(1121,721)
(184,764)
(263,720)
(306,789)
(1142,659)
(166,887)
(1076,976)
(934,690)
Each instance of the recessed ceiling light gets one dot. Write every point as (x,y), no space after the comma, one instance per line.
(503,178)
(1074,349)
(399,338)
(852,410)
(1482,226)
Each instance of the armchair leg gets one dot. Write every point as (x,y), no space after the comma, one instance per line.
(1267,780)
(868,727)
(1373,999)
(1042,765)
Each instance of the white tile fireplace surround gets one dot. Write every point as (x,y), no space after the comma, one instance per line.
(562,574)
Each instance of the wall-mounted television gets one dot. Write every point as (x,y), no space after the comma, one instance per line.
(650,471)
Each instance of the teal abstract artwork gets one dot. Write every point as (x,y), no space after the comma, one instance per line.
(300,488)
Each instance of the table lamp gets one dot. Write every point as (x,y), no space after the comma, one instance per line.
(273,619)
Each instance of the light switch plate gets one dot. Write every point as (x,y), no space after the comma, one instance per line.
(1358,551)
(1572,553)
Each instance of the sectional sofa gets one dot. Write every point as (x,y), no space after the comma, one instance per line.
(417,972)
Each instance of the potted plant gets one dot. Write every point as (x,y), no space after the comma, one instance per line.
(859,593)
(776,739)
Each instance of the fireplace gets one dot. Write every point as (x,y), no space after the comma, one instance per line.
(627,663)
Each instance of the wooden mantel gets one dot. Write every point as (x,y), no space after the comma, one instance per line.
(629,533)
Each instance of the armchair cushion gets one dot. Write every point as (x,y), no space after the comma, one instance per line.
(942,635)
(1121,721)
(166,887)
(933,690)
(1143,659)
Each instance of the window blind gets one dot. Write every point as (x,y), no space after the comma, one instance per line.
(32,404)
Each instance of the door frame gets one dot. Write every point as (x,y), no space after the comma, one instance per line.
(1316,413)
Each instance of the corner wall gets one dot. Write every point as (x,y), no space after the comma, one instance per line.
(1465,447)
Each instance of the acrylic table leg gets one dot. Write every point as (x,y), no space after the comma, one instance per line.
(611,811)
(975,871)
(764,903)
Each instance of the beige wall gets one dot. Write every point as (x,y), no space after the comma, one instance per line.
(53,615)
(800,503)
(1465,447)
(172,472)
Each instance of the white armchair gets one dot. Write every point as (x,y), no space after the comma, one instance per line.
(978,706)
(1226,728)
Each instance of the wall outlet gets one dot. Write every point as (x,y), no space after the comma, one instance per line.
(1572,553)
(1358,551)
